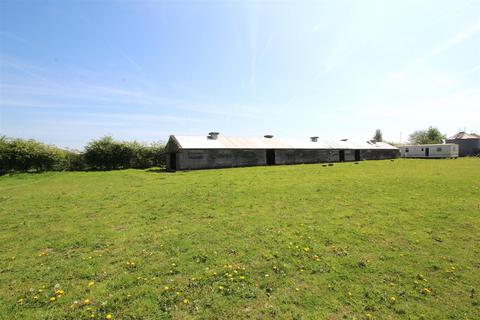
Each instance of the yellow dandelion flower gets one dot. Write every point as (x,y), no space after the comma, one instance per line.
(297,289)
(52,299)
(393,299)
(109,316)
(91,283)
(20,300)
(220,287)
(427,290)
(86,301)
(349,294)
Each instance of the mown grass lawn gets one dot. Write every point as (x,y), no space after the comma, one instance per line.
(381,239)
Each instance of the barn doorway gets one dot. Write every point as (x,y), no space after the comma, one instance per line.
(341,154)
(172,161)
(427,152)
(270,157)
(357,155)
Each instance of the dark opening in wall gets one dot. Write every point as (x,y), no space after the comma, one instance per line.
(172,161)
(357,155)
(270,157)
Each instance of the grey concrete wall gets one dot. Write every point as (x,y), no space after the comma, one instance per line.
(219,158)
(227,158)
(284,156)
(467,147)
(379,154)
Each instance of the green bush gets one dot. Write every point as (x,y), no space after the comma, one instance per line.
(20,155)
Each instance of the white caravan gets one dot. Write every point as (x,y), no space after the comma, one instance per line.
(449,150)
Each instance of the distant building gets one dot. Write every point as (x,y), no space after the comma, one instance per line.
(433,151)
(215,151)
(468,144)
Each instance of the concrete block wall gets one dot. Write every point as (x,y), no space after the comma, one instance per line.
(219,158)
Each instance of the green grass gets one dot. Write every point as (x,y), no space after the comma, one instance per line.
(381,239)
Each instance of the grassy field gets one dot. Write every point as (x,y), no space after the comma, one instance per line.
(378,240)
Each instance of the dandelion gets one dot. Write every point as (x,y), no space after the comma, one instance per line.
(349,294)
(427,290)
(220,287)
(91,283)
(185,301)
(20,301)
(393,299)
(369,316)
(166,288)
(109,316)
(52,299)
(297,289)
(86,301)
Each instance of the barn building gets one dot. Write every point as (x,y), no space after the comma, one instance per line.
(432,151)
(215,151)
(468,144)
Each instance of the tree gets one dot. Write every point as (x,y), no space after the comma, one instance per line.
(378,137)
(429,136)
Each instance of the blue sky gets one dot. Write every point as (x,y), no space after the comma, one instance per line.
(71,71)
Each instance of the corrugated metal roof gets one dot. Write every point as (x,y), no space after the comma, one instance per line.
(464,135)
(204,142)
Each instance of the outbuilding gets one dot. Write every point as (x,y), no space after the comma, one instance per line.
(468,143)
(433,151)
(216,151)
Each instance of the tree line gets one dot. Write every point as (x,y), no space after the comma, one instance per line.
(22,155)
(431,135)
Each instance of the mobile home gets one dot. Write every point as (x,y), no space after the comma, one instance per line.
(433,151)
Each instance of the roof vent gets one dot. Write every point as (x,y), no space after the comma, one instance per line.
(268,136)
(314,139)
(213,135)
(344,140)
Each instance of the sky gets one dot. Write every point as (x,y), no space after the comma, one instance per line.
(73,71)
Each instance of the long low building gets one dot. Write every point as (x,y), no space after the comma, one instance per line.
(215,151)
